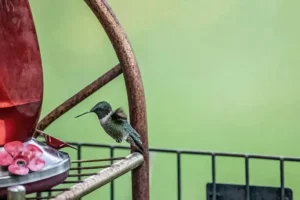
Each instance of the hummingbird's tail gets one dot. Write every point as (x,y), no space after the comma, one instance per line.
(136,142)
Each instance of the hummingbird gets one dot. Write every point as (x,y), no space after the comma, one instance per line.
(115,124)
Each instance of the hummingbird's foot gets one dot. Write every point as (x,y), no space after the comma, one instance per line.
(118,140)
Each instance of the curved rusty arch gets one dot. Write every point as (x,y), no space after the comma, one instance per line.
(134,85)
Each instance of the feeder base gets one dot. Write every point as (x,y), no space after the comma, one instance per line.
(53,173)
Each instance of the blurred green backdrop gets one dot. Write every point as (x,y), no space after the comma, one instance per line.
(219,75)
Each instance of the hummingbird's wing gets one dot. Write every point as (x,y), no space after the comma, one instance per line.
(119,115)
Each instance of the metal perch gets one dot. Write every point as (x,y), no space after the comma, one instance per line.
(101,178)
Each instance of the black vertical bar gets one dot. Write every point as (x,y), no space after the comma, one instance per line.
(49,194)
(38,195)
(178,175)
(213,171)
(79,158)
(247,177)
(79,163)
(282,179)
(112,187)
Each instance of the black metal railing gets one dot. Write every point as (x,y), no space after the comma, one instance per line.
(214,193)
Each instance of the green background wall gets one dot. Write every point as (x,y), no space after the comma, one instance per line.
(219,75)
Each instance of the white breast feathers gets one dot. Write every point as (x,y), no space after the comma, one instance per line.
(104,119)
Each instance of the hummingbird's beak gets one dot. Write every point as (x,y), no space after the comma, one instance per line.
(82,114)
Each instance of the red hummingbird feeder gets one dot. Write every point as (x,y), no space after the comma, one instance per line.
(23,159)
(21,77)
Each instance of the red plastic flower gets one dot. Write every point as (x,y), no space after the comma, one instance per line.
(20,159)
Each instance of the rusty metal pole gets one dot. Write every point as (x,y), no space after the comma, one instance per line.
(79,97)
(135,90)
